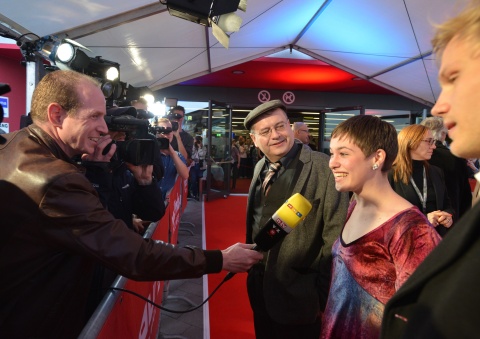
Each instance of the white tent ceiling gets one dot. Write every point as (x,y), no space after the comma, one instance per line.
(384,41)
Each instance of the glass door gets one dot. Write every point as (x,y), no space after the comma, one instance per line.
(219,160)
(329,119)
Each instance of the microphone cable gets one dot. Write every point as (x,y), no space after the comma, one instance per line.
(227,277)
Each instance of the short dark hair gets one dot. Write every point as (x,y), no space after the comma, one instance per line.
(370,134)
(178,108)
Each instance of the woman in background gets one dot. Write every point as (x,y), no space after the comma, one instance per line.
(416,180)
(384,237)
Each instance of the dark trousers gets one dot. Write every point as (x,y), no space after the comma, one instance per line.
(194,179)
(265,326)
(234,174)
(243,168)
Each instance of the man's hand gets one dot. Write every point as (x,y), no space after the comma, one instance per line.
(142,173)
(138,225)
(240,258)
(98,155)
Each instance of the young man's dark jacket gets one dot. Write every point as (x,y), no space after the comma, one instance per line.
(53,230)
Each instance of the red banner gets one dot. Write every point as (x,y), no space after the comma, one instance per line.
(175,204)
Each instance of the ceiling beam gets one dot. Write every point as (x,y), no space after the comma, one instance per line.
(12,30)
(207,47)
(363,76)
(312,21)
(113,21)
(401,64)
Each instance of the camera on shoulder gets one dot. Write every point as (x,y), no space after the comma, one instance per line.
(138,148)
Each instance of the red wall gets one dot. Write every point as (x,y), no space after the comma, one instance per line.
(13,74)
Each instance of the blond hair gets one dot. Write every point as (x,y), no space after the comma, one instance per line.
(409,139)
(466,26)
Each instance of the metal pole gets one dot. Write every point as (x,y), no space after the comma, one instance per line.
(33,77)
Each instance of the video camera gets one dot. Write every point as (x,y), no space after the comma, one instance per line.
(163,142)
(138,148)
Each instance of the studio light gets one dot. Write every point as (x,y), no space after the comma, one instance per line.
(103,69)
(65,52)
(135,93)
(218,14)
(58,51)
(112,73)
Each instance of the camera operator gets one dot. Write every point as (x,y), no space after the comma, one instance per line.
(182,141)
(124,189)
(173,161)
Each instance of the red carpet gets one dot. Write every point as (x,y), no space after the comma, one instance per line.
(242,186)
(230,313)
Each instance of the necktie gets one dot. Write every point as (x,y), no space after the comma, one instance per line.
(273,167)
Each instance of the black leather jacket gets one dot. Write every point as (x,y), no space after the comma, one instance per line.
(53,229)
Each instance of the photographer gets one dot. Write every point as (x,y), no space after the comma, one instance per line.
(173,161)
(182,141)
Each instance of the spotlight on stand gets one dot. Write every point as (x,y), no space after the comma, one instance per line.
(108,73)
(103,69)
(60,52)
(218,14)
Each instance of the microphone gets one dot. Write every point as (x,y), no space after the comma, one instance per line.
(282,222)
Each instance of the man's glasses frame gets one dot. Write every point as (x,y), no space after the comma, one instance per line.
(278,127)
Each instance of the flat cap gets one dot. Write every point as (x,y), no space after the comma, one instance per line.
(262,109)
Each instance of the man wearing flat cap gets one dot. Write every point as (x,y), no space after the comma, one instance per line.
(289,288)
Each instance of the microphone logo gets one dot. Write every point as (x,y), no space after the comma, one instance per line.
(273,232)
(281,223)
(294,210)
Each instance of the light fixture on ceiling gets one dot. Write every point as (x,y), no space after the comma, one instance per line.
(57,51)
(135,93)
(103,69)
(218,14)
(170,102)
(108,73)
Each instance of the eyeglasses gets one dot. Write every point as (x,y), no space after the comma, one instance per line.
(172,116)
(430,141)
(280,127)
